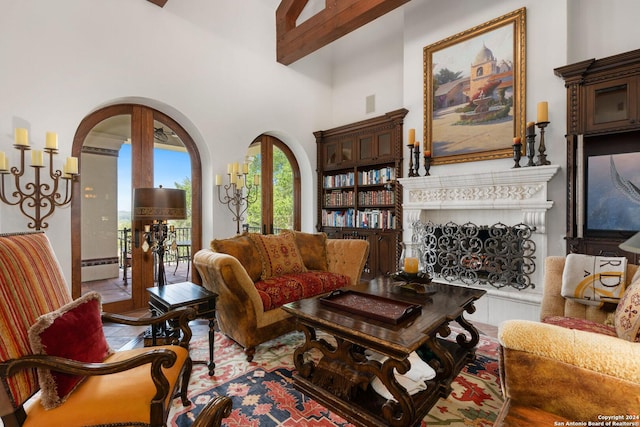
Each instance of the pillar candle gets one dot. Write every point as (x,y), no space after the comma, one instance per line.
(245,168)
(411,265)
(256,180)
(147,228)
(516,140)
(240,181)
(427,153)
(37,158)
(543,111)
(229,168)
(218,180)
(52,141)
(530,128)
(3,161)
(234,169)
(72,165)
(412,137)
(21,136)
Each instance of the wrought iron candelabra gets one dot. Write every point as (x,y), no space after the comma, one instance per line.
(234,192)
(37,199)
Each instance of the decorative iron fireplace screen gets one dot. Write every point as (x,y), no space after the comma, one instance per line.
(498,255)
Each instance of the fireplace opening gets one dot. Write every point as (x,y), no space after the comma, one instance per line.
(498,254)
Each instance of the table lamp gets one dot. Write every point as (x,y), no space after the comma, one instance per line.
(632,244)
(157,205)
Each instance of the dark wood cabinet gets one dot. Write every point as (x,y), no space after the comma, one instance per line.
(603,124)
(359,196)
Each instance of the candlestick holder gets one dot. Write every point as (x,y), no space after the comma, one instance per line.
(427,165)
(542,157)
(410,147)
(517,154)
(416,155)
(531,148)
(237,202)
(42,197)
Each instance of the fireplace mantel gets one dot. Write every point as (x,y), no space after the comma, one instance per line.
(508,196)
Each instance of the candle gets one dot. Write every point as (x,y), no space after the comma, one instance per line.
(240,181)
(412,137)
(530,128)
(21,137)
(218,180)
(416,144)
(245,168)
(172,228)
(229,168)
(51,141)
(235,168)
(233,178)
(543,111)
(3,161)
(36,158)
(147,228)
(427,153)
(516,140)
(411,265)
(256,180)
(72,165)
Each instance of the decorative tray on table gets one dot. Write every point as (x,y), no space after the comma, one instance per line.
(372,306)
(417,283)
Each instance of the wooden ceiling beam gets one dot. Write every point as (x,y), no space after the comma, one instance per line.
(160,3)
(337,19)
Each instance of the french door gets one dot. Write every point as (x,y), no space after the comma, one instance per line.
(123,147)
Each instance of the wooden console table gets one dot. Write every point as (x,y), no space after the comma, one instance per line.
(341,378)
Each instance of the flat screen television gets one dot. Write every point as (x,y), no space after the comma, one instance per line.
(612,186)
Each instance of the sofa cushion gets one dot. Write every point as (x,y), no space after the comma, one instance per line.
(75,332)
(627,317)
(244,250)
(581,325)
(277,291)
(313,249)
(279,254)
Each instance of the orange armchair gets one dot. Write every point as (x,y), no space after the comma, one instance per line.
(133,387)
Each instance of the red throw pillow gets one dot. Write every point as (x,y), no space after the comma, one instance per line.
(74,331)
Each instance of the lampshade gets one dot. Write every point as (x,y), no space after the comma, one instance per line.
(632,244)
(159,203)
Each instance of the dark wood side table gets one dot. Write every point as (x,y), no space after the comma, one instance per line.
(163,299)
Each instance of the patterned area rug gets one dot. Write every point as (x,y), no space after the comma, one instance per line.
(263,393)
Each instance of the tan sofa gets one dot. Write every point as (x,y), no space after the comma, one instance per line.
(553,373)
(239,309)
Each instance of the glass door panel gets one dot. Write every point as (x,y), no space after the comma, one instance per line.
(283,211)
(254,212)
(172,169)
(106,261)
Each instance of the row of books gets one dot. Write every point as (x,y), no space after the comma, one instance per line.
(338,198)
(340,180)
(381,197)
(368,218)
(376,176)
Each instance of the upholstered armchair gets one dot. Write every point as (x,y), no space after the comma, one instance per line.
(572,365)
(56,367)
(233,269)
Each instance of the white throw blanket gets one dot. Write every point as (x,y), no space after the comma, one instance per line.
(594,280)
(413,380)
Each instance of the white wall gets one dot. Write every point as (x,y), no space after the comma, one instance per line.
(210,65)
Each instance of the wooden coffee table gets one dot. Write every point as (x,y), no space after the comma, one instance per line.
(339,375)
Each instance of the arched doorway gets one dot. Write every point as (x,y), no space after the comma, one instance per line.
(147,134)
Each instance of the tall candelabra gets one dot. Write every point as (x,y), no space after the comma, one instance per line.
(37,199)
(235,198)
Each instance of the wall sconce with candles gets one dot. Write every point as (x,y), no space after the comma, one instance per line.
(42,197)
(234,192)
(157,205)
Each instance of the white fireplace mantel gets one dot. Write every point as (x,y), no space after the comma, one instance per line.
(521,189)
(508,196)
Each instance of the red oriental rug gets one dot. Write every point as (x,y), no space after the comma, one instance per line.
(263,393)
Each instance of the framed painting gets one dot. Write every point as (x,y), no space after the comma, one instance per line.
(474,91)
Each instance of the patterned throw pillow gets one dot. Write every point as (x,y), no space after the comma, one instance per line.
(244,250)
(627,318)
(74,331)
(313,249)
(279,253)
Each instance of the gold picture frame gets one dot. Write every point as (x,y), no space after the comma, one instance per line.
(474,91)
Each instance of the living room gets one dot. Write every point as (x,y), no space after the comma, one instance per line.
(211,67)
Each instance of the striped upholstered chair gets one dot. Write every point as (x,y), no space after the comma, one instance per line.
(48,342)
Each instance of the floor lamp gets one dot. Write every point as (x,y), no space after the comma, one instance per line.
(156,206)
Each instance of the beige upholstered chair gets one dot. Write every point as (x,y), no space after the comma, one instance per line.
(553,373)
(48,342)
